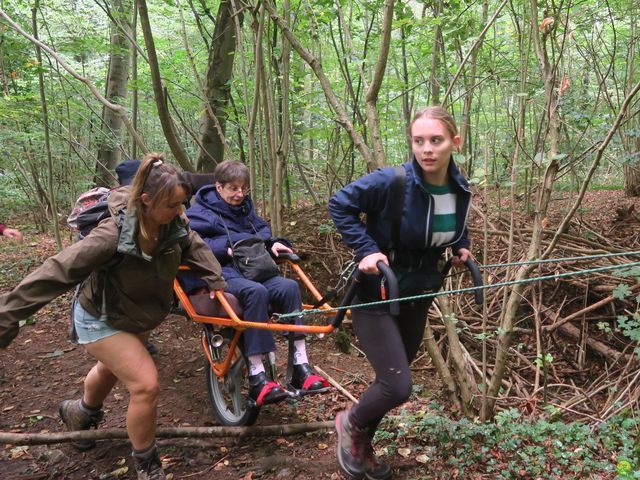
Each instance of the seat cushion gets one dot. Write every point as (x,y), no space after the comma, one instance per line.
(203,305)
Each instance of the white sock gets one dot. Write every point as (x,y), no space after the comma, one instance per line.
(300,352)
(255,364)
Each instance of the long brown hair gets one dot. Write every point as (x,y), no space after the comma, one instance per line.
(157,179)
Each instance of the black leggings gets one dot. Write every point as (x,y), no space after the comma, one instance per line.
(390,344)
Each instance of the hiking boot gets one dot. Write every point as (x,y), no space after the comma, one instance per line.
(305,379)
(149,469)
(76,418)
(352,444)
(374,469)
(263,391)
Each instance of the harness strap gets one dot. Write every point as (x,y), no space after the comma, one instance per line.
(397,194)
(311,379)
(266,390)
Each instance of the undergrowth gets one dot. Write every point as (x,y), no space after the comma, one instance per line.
(513,446)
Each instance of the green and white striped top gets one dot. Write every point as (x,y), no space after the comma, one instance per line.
(443,229)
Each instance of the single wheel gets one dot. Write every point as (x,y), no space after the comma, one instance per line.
(230,397)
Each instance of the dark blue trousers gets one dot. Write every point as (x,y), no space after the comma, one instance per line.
(279,293)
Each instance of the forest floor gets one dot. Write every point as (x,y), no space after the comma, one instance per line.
(41,368)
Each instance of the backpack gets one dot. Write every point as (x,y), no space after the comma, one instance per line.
(90,208)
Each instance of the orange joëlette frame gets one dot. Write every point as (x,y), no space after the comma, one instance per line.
(221,368)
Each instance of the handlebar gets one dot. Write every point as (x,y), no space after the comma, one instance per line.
(392,284)
(475,275)
(292,257)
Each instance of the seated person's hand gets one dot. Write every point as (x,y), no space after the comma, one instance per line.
(462,255)
(369,264)
(12,233)
(279,247)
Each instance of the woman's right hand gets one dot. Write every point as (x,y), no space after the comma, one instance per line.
(369,264)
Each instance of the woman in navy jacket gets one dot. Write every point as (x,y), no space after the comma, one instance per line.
(433,217)
(223,214)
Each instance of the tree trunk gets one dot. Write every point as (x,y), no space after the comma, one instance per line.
(166,121)
(110,150)
(218,87)
(51,192)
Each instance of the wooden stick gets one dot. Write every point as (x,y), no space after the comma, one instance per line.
(335,383)
(166,432)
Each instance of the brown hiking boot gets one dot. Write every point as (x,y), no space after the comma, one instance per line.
(351,448)
(374,469)
(149,469)
(75,418)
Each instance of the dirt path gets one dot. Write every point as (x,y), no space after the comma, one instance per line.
(41,368)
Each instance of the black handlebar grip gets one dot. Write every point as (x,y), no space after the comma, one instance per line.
(475,275)
(392,283)
(477,280)
(288,256)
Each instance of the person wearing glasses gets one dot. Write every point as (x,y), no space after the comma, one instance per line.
(126,266)
(223,214)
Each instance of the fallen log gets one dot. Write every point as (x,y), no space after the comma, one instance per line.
(49,438)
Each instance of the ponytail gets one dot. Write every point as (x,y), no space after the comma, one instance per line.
(158,180)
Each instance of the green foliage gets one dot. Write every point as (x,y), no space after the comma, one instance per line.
(513,447)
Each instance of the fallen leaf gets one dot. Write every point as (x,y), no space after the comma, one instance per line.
(121,461)
(422,458)
(404,452)
(6,409)
(322,446)
(118,472)
(18,452)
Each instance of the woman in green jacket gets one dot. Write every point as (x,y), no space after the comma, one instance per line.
(126,267)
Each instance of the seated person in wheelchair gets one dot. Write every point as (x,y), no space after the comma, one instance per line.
(223,214)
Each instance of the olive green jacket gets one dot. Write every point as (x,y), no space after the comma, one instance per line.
(108,263)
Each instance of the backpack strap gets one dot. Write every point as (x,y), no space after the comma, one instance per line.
(397,195)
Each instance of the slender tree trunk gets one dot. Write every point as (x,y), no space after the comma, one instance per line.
(434,82)
(218,87)
(159,93)
(335,103)
(134,79)
(51,192)
(110,149)
(371,97)
(548,70)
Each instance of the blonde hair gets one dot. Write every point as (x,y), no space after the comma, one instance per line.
(158,180)
(437,113)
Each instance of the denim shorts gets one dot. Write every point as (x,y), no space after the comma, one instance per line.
(89,328)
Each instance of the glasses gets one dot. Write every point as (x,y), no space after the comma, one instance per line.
(236,189)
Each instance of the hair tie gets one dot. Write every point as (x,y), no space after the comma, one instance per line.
(157,163)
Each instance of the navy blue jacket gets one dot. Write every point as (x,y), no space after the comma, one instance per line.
(206,217)
(372,194)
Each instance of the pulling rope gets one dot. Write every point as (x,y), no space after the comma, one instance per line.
(558,260)
(283,316)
